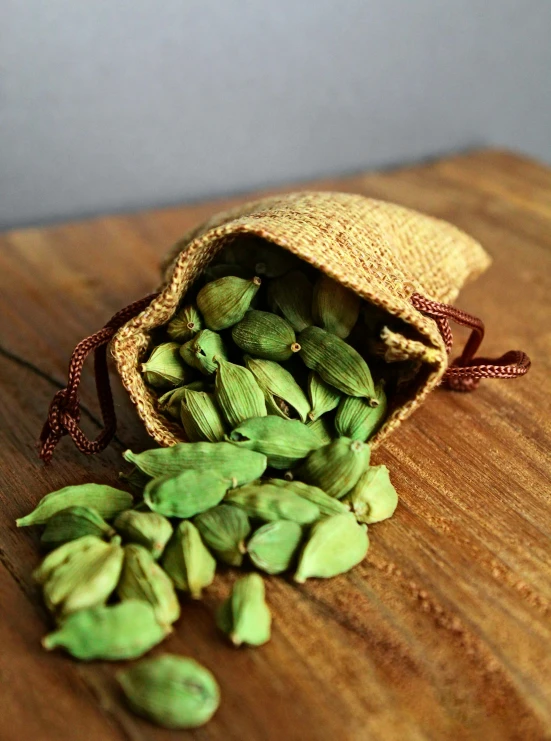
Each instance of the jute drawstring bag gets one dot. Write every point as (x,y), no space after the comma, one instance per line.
(407,264)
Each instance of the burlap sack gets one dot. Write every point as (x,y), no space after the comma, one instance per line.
(383,252)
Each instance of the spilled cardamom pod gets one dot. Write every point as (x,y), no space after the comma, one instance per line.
(187,493)
(72,523)
(374,498)
(199,353)
(164,368)
(291,296)
(335,308)
(200,417)
(337,363)
(273,547)
(224,459)
(123,631)
(267,502)
(336,544)
(149,529)
(283,441)
(327,505)
(283,395)
(143,579)
(224,529)
(245,616)
(238,395)
(106,500)
(265,335)
(187,560)
(184,324)
(335,467)
(323,397)
(357,419)
(225,301)
(172,691)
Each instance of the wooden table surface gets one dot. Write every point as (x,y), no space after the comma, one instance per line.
(444,631)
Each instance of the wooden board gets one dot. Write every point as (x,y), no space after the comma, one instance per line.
(444,631)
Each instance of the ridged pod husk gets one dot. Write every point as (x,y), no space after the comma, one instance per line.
(201,418)
(335,545)
(245,616)
(238,395)
(72,523)
(374,498)
(323,397)
(172,691)
(144,580)
(170,403)
(149,529)
(80,574)
(224,459)
(273,547)
(283,441)
(106,500)
(187,560)
(124,631)
(187,493)
(184,324)
(336,362)
(225,301)
(267,502)
(327,505)
(323,428)
(224,529)
(357,419)
(199,353)
(334,307)
(265,335)
(335,467)
(291,296)
(283,395)
(164,367)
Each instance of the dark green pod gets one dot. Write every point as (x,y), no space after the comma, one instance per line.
(184,324)
(72,523)
(224,302)
(335,308)
(265,335)
(283,395)
(291,296)
(164,368)
(200,417)
(283,441)
(200,352)
(357,419)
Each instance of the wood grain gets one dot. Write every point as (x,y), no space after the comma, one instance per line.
(444,632)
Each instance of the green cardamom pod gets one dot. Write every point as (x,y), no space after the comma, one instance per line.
(106,500)
(171,402)
(283,441)
(223,269)
(265,335)
(143,579)
(187,560)
(374,498)
(291,296)
(135,480)
(336,467)
(336,544)
(327,505)
(149,529)
(335,308)
(237,393)
(224,529)
(224,459)
(283,395)
(184,324)
(171,691)
(323,397)
(124,631)
(164,367)
(187,493)
(201,417)
(244,616)
(199,353)
(357,419)
(268,502)
(260,256)
(72,523)
(323,429)
(225,301)
(337,363)
(274,546)
(83,578)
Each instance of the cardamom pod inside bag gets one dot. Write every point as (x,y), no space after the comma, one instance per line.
(384,253)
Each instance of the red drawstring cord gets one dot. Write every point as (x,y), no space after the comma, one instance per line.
(64,412)
(466,371)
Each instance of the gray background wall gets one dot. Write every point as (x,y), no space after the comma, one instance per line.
(110,105)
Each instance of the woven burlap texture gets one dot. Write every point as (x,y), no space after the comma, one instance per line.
(382,251)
